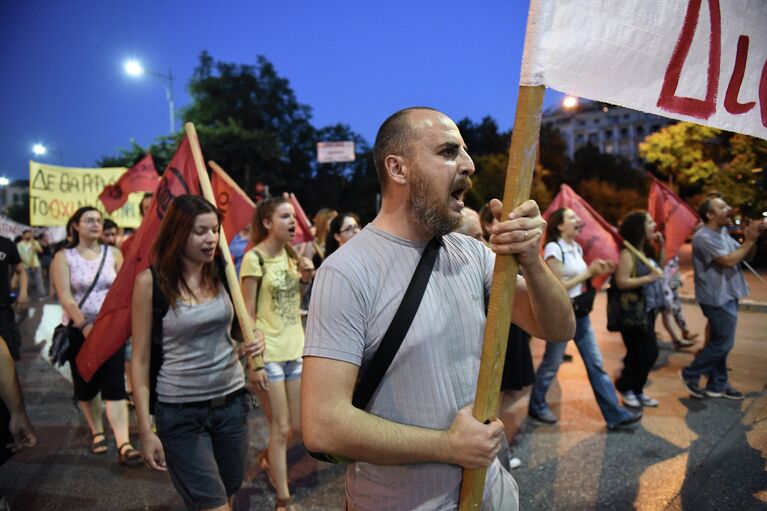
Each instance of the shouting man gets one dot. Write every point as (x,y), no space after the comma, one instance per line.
(417,431)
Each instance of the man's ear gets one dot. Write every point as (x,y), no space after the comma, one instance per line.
(396,169)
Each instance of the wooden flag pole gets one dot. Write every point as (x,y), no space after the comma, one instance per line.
(231,276)
(222,173)
(639,255)
(519,176)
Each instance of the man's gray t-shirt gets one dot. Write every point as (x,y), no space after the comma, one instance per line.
(715,284)
(355,296)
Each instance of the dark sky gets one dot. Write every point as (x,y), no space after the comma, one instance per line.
(353,62)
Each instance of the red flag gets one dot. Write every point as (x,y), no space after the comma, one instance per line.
(142,177)
(113,325)
(235,206)
(675,218)
(598,238)
(303,225)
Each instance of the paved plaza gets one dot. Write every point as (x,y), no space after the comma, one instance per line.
(685,454)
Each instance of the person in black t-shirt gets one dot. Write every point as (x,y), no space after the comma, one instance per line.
(11,261)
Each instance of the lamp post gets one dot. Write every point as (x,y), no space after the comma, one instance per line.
(40,150)
(569,102)
(134,68)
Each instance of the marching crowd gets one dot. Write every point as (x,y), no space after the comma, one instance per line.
(400,303)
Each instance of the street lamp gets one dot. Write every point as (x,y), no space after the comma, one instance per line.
(134,68)
(39,149)
(4,181)
(570,102)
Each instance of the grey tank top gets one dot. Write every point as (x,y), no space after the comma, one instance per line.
(199,360)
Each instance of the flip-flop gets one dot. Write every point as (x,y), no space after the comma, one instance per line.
(101,446)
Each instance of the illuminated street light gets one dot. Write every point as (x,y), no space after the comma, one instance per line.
(570,102)
(134,68)
(4,181)
(39,149)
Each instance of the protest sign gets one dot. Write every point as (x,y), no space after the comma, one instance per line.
(55,193)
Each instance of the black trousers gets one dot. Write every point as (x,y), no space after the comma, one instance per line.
(641,354)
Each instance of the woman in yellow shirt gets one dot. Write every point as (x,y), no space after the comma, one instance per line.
(273,278)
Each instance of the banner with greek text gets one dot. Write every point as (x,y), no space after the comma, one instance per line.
(56,192)
(703,61)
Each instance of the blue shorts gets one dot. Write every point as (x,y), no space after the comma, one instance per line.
(284,371)
(205,449)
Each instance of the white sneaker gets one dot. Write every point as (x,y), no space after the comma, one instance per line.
(514,463)
(630,399)
(647,401)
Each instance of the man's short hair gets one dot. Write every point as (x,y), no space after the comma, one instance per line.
(109,224)
(392,138)
(705,206)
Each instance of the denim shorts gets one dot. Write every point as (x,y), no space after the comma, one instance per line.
(205,449)
(284,371)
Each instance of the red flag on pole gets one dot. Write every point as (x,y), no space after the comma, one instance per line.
(675,218)
(233,203)
(303,225)
(113,324)
(598,238)
(142,177)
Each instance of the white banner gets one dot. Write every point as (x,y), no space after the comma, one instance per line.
(703,61)
(332,152)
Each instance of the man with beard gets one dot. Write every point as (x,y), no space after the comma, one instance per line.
(417,431)
(719,284)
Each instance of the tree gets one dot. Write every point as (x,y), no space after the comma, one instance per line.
(742,179)
(685,153)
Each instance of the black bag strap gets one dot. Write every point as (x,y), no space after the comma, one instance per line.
(398,328)
(95,280)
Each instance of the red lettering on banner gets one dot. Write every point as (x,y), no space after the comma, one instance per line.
(731,103)
(698,108)
(763,94)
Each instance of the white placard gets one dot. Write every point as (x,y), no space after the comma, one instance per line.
(703,61)
(335,152)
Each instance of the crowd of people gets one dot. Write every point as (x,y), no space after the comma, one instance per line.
(186,372)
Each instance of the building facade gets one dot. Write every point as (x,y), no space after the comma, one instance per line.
(612,129)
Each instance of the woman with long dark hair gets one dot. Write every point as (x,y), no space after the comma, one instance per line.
(181,321)
(273,278)
(565,258)
(342,228)
(74,270)
(641,297)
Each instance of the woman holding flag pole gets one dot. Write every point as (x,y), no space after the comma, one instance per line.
(641,297)
(184,355)
(273,278)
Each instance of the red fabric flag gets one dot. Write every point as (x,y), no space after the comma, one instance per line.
(142,177)
(235,206)
(303,225)
(675,218)
(113,325)
(598,238)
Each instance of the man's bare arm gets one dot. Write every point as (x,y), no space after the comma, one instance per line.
(331,424)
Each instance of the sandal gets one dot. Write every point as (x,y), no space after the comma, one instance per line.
(129,457)
(100,446)
(284,504)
